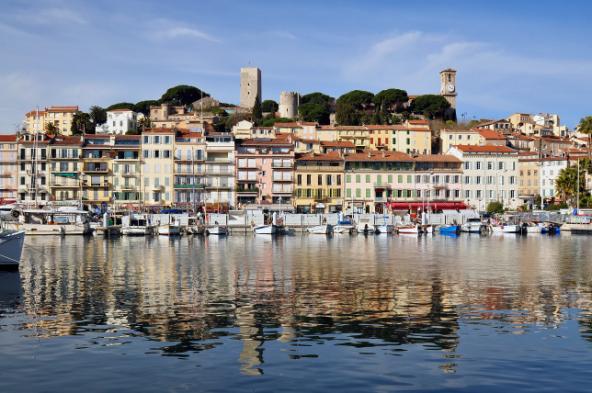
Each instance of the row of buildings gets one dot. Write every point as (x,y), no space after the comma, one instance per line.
(299,165)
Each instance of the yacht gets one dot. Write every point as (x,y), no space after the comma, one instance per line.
(473,225)
(11,248)
(217,230)
(320,229)
(136,225)
(60,221)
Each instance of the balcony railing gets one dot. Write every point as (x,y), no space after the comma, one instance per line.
(96,169)
(190,186)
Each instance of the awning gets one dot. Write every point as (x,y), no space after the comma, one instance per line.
(71,175)
(427,205)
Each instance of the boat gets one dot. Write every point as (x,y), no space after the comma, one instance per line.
(194,226)
(532,227)
(136,225)
(385,229)
(320,229)
(506,228)
(11,248)
(265,229)
(217,230)
(343,228)
(449,229)
(60,221)
(408,230)
(169,230)
(365,228)
(473,225)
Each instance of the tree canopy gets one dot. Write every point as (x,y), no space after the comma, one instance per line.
(430,105)
(316,98)
(353,107)
(495,207)
(97,114)
(585,127)
(82,124)
(257,113)
(144,106)
(269,106)
(566,184)
(121,105)
(391,100)
(315,107)
(183,95)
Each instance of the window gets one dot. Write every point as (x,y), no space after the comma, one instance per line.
(467,165)
(320,180)
(512,194)
(489,165)
(156,153)
(478,194)
(500,166)
(167,140)
(477,179)
(146,154)
(146,139)
(299,179)
(156,139)
(329,180)
(167,154)
(348,179)
(308,180)
(367,178)
(478,165)
(338,180)
(348,192)
(358,179)
(467,194)
(367,193)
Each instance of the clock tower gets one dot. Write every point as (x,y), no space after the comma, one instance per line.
(448,86)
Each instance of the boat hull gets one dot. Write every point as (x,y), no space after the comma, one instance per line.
(11,248)
(169,230)
(51,229)
(320,230)
(136,231)
(217,231)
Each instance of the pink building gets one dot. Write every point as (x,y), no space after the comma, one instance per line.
(265,171)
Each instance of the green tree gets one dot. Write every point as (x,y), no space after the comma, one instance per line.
(352,106)
(566,183)
(256,112)
(98,115)
(51,129)
(183,95)
(585,127)
(495,207)
(143,124)
(82,124)
(390,100)
(269,106)
(269,122)
(121,105)
(317,98)
(315,112)
(430,105)
(144,106)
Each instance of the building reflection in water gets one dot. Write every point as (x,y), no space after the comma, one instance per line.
(367,292)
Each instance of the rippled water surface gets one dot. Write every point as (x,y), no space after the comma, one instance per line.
(300,313)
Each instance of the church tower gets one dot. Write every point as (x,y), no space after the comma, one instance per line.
(448,86)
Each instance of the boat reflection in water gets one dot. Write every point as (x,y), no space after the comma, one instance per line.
(305,297)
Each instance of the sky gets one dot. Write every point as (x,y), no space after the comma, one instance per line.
(510,56)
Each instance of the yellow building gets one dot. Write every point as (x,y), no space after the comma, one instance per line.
(157,168)
(97,161)
(65,168)
(60,117)
(319,183)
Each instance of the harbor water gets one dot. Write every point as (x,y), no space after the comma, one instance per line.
(299,313)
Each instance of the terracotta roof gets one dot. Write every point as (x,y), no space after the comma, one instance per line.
(492,135)
(267,142)
(62,109)
(437,158)
(97,136)
(292,124)
(418,122)
(484,149)
(381,156)
(67,140)
(543,159)
(332,156)
(345,144)
(7,137)
(34,113)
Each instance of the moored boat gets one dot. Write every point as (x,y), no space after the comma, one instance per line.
(385,229)
(136,225)
(473,225)
(217,230)
(449,229)
(265,229)
(320,229)
(11,248)
(365,228)
(408,230)
(61,221)
(169,230)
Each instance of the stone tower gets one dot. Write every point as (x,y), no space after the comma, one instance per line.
(288,104)
(250,86)
(448,86)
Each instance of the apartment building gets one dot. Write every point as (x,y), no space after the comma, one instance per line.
(65,168)
(190,169)
(319,183)
(97,175)
(127,170)
(8,168)
(220,173)
(157,148)
(33,187)
(60,117)
(119,121)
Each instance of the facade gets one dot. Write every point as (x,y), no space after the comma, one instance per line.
(157,166)
(60,116)
(550,167)
(65,168)
(190,169)
(127,171)
(504,126)
(170,116)
(319,183)
(449,138)
(119,121)
(250,87)
(8,168)
(265,171)
(32,162)
(220,181)
(490,174)
(97,160)
(529,177)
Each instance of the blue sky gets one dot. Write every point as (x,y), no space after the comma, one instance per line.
(528,56)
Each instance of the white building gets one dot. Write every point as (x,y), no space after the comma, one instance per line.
(119,121)
(549,171)
(220,193)
(490,174)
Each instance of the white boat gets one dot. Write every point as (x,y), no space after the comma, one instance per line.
(61,221)
(365,228)
(504,228)
(11,248)
(339,228)
(169,230)
(320,229)
(473,225)
(217,230)
(385,229)
(408,230)
(265,229)
(136,225)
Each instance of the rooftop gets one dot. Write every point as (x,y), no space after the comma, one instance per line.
(484,149)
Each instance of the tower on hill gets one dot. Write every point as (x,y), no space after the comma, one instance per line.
(250,86)
(448,86)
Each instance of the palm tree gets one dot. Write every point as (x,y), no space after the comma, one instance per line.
(51,129)
(585,127)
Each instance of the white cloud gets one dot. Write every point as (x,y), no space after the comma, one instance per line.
(51,16)
(180,31)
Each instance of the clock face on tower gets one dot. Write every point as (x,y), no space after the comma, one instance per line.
(450,88)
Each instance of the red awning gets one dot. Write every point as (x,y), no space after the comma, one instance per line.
(427,205)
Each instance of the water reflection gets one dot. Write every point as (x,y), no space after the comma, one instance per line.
(369,293)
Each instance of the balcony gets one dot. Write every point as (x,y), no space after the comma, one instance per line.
(219,172)
(213,186)
(190,186)
(219,161)
(7,174)
(105,184)
(65,185)
(130,174)
(282,165)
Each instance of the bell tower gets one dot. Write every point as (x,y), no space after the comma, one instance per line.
(448,86)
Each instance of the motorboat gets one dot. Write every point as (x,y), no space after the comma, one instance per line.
(60,221)
(385,229)
(473,225)
(506,228)
(320,229)
(365,228)
(265,229)
(343,228)
(169,230)
(409,230)
(11,248)
(136,225)
(449,229)
(194,226)
(217,230)
(532,227)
